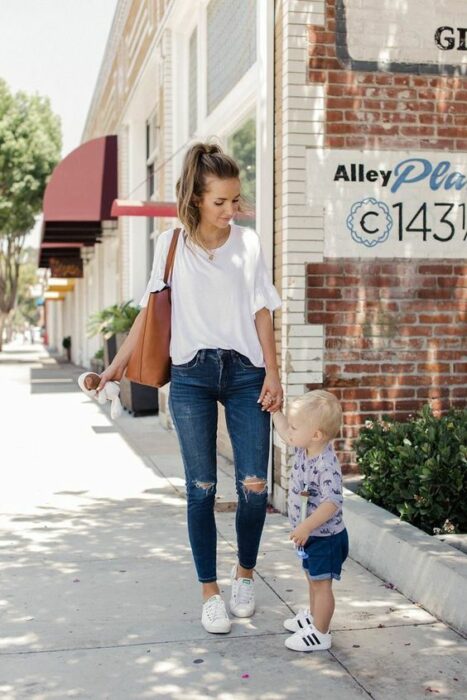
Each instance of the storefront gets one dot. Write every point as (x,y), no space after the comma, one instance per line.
(352,149)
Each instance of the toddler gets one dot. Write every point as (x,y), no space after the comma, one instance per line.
(315,511)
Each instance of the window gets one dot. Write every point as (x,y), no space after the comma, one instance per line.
(241,145)
(193,83)
(231,45)
(152,152)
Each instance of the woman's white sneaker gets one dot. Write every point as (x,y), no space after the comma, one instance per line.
(214,618)
(242,599)
(301,620)
(309,639)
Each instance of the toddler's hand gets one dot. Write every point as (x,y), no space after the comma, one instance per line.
(300,534)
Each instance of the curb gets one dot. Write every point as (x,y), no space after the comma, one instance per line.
(421,567)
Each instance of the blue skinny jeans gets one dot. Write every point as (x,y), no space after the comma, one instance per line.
(195,388)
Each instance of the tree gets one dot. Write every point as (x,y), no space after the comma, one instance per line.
(30,145)
(26,312)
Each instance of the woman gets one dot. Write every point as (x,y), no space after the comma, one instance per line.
(222,349)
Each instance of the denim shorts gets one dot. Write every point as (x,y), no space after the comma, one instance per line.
(326,555)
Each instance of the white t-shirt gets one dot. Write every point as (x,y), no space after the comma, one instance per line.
(214,301)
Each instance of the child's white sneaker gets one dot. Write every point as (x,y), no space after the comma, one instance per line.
(301,620)
(242,599)
(214,618)
(309,639)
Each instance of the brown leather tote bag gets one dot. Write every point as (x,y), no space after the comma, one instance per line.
(150,360)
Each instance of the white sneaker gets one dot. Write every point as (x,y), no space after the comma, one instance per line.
(214,618)
(242,599)
(301,620)
(309,639)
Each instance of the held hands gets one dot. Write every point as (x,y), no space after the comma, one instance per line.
(300,534)
(271,394)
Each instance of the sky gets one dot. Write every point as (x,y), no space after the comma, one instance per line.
(55,48)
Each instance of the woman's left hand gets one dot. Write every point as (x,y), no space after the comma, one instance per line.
(271,394)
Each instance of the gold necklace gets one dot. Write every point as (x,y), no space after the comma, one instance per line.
(209,251)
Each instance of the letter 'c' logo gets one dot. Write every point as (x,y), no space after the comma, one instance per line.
(369,222)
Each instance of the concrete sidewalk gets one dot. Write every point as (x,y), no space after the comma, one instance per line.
(99,599)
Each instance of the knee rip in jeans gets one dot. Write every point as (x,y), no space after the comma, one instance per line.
(206,486)
(251,484)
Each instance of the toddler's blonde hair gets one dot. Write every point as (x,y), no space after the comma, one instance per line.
(326,406)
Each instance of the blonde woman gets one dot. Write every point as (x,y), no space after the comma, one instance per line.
(222,350)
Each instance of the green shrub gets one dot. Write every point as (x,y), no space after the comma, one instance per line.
(418,469)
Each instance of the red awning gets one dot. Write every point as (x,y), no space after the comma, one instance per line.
(78,198)
(127,207)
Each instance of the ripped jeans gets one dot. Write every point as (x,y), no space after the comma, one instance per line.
(195,388)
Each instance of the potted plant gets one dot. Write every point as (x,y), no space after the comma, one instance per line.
(66,343)
(114,323)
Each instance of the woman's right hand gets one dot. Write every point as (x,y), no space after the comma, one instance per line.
(111,374)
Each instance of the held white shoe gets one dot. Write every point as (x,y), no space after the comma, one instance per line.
(242,599)
(214,618)
(301,620)
(309,639)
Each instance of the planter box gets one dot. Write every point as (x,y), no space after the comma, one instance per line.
(112,345)
(421,567)
(138,399)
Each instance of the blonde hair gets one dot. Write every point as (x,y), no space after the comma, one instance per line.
(327,408)
(201,161)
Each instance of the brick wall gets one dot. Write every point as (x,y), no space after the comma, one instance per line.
(395,337)
(394,330)
(385,110)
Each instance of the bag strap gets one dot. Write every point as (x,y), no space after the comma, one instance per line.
(171,255)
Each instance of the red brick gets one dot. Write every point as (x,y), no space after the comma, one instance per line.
(398,368)
(402,80)
(418,380)
(361,367)
(335,141)
(450,282)
(396,393)
(415,331)
(337,90)
(460,367)
(435,318)
(378,380)
(436,367)
(450,354)
(340,305)
(460,391)
(432,392)
(341,280)
(328,293)
(320,318)
(382,79)
(450,330)
(315,281)
(343,331)
(349,406)
(417,305)
(376,405)
(315,305)
(434,293)
(334,116)
(407,405)
(436,269)
(328,268)
(417,131)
